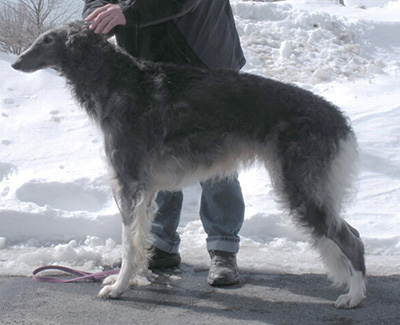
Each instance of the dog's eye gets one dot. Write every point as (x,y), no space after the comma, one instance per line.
(47,40)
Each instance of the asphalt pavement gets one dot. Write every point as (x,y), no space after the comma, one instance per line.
(182,296)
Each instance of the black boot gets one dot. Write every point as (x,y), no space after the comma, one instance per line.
(223,269)
(163,260)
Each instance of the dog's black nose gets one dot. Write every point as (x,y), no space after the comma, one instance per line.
(16,65)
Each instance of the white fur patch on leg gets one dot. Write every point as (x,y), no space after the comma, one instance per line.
(335,261)
(135,240)
(356,292)
(114,286)
(341,272)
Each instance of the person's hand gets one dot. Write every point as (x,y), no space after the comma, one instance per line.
(105,18)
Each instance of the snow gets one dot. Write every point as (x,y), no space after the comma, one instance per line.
(55,203)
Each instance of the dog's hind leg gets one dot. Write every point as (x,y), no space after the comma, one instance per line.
(341,249)
(136,207)
(315,192)
(343,253)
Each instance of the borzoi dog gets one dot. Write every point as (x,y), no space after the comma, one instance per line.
(168,126)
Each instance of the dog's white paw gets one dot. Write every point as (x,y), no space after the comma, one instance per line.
(139,281)
(111,279)
(110,292)
(349,300)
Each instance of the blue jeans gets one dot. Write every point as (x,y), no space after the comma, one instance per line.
(221,213)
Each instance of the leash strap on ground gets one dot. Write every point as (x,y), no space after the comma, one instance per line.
(100,276)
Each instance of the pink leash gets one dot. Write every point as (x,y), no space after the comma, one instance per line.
(100,276)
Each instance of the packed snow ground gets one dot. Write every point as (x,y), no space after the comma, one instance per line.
(55,202)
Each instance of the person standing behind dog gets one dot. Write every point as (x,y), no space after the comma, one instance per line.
(200,33)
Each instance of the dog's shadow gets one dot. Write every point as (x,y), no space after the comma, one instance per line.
(257,296)
(261,297)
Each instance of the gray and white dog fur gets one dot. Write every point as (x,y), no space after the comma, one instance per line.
(167,126)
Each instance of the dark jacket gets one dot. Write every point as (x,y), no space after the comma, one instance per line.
(197,32)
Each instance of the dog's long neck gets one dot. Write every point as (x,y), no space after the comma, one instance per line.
(93,71)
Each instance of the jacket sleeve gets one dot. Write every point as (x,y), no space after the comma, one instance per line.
(144,13)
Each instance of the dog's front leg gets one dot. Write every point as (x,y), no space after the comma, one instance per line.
(137,215)
(122,280)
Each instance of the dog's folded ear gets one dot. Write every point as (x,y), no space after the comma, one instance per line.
(79,37)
